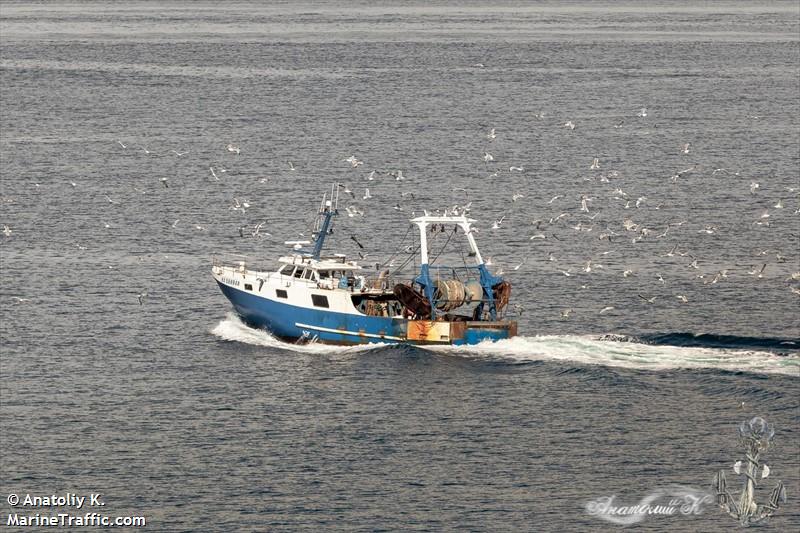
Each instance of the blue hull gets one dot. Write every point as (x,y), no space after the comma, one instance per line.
(293,322)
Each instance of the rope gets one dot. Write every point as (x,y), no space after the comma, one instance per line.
(443,246)
(398,248)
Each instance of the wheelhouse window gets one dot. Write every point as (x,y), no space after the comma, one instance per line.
(308,274)
(319,300)
(280,293)
(248,287)
(299,272)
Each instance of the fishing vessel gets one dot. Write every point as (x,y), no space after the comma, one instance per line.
(314,296)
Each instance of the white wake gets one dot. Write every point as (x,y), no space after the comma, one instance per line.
(572,348)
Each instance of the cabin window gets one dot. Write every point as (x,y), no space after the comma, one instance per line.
(280,293)
(308,273)
(319,300)
(285,270)
(324,274)
(299,272)
(248,287)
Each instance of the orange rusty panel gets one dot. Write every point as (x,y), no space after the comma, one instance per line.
(425,330)
(457,330)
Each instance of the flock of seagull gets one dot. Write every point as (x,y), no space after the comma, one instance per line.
(581,218)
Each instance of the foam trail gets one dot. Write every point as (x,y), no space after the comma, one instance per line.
(233,329)
(589,350)
(577,349)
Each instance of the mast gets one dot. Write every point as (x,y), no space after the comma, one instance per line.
(327,210)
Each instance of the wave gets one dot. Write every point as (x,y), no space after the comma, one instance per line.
(233,329)
(629,352)
(710,340)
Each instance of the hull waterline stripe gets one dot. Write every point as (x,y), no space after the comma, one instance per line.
(345,332)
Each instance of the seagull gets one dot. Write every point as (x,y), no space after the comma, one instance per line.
(565,313)
(753,187)
(627,273)
(779,205)
(498,222)
(569,124)
(567,273)
(648,300)
(213,173)
(355,240)
(584,203)
(164,183)
(110,200)
(367,195)
(685,148)
(491,135)
(517,197)
(371,176)
(682,298)
(764,471)
(758,272)
(643,112)
(595,164)
(120,143)
(353,161)
(175,224)
(291,166)
(179,154)
(232,148)
(257,229)
(661,279)
(7,231)
(487,157)
(516,169)
(348,191)
(554,198)
(519,265)
(19,300)
(737,467)
(141,297)
(607,308)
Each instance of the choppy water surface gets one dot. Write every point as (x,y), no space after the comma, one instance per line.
(176,411)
